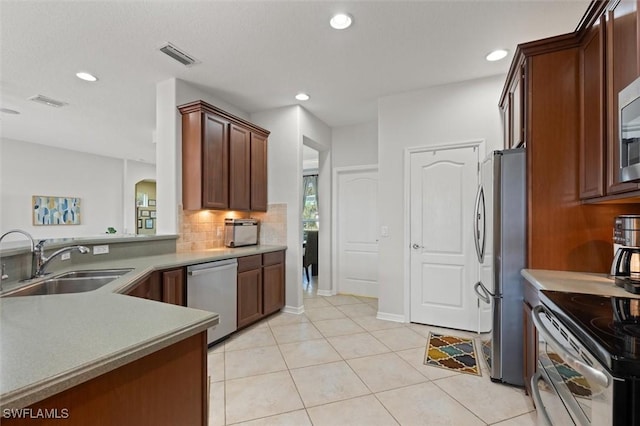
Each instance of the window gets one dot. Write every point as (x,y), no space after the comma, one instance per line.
(310,217)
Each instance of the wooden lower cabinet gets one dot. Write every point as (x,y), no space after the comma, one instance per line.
(163,286)
(147,288)
(261,286)
(173,287)
(167,387)
(273,281)
(249,297)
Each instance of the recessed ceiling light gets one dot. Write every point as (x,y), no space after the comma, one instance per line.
(9,111)
(302,97)
(86,76)
(496,55)
(341,21)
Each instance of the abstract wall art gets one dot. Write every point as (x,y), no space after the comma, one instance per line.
(50,210)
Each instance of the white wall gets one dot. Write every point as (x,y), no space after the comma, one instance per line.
(285,186)
(317,135)
(355,145)
(439,115)
(28,169)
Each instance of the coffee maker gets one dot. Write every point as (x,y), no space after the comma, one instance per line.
(625,268)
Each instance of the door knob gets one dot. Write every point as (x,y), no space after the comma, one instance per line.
(416,246)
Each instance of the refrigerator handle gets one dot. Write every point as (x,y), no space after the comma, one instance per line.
(482,292)
(477,215)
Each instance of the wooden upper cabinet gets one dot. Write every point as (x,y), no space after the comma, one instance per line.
(215,162)
(239,168)
(592,139)
(518,111)
(513,109)
(622,67)
(258,172)
(220,167)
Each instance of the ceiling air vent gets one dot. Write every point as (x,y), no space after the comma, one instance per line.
(47,101)
(177,54)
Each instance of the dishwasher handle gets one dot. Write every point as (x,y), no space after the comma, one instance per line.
(207,268)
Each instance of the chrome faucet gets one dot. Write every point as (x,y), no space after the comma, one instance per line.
(42,261)
(4,276)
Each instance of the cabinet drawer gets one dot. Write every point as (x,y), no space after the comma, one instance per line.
(272,258)
(248,263)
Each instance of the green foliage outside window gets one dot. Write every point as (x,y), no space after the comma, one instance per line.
(310,204)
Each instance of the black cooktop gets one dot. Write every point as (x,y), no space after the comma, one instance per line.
(609,327)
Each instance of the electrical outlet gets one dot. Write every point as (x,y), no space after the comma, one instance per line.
(65,256)
(219,232)
(101,249)
(384,231)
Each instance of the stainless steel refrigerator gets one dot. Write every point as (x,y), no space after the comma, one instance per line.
(500,235)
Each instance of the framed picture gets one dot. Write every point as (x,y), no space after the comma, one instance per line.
(52,210)
(148,224)
(140,223)
(153,214)
(145,213)
(152,203)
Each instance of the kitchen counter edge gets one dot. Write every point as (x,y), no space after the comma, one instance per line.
(142,266)
(575,282)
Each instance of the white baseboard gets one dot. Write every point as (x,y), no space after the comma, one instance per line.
(325,293)
(293,310)
(390,317)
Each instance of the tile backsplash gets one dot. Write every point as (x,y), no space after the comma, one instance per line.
(204,229)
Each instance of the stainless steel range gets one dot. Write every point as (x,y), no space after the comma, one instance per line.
(588,360)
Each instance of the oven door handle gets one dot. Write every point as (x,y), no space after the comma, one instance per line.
(537,399)
(590,373)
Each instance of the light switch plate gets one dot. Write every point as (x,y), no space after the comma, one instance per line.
(101,249)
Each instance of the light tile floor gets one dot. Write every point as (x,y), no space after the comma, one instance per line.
(338,365)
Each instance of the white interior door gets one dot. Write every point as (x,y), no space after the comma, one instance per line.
(444,265)
(357,232)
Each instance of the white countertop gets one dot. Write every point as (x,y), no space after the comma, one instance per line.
(50,343)
(575,282)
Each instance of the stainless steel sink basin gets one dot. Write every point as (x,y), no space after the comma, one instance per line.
(70,282)
(94,273)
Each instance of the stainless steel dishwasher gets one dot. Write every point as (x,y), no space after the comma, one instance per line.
(213,287)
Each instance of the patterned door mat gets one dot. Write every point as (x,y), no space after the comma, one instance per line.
(453,353)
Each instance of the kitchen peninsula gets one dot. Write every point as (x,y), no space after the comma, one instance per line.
(104,356)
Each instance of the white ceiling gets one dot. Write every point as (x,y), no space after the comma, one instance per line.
(255,55)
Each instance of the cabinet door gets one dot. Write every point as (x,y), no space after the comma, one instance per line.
(239,168)
(258,172)
(622,69)
(273,281)
(517,111)
(506,129)
(148,288)
(592,160)
(173,288)
(249,297)
(215,158)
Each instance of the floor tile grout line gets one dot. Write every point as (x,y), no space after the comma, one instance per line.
(460,402)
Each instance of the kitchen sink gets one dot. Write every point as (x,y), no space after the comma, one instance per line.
(94,273)
(70,282)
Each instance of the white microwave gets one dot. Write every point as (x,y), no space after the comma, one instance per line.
(629,131)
